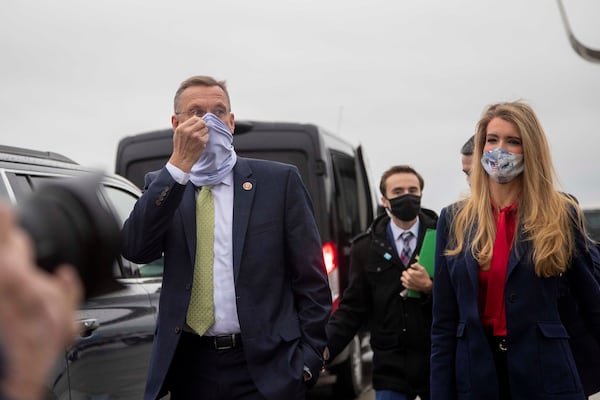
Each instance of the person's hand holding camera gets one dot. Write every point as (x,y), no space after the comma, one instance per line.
(37,312)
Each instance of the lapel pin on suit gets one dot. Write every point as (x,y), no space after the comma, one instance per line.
(247,186)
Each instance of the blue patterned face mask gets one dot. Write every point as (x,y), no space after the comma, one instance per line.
(219,156)
(501,165)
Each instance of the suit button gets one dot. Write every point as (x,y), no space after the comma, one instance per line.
(158,203)
(378,269)
(177,330)
(512,297)
(188,286)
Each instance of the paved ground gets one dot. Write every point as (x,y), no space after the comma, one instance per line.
(370,395)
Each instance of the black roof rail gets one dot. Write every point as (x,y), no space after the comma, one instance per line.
(46,155)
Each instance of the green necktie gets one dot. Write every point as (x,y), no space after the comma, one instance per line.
(201,314)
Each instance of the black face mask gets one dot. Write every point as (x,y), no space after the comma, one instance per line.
(406,207)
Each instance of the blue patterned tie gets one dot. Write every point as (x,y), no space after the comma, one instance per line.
(406,253)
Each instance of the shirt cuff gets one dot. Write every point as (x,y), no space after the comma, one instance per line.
(180,177)
(307,370)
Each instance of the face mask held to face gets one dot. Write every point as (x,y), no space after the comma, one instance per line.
(219,156)
(501,165)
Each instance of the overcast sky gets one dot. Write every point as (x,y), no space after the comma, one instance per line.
(406,79)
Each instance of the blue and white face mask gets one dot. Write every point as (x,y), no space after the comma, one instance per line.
(501,165)
(219,156)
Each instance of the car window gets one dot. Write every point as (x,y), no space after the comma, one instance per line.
(122,203)
(3,191)
(592,219)
(20,184)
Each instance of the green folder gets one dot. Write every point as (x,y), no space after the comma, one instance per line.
(426,257)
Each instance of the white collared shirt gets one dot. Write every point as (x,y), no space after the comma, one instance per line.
(397,233)
(226,317)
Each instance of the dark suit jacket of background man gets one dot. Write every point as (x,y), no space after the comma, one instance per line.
(282,294)
(400,327)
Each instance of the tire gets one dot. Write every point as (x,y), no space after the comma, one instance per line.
(350,380)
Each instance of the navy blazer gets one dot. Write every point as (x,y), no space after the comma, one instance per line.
(282,293)
(540,361)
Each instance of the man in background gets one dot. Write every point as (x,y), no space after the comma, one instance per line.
(384,267)
(466,157)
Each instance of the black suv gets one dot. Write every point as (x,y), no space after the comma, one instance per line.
(110,358)
(335,175)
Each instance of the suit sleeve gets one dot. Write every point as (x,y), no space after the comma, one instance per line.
(143,232)
(445,320)
(583,281)
(353,308)
(309,283)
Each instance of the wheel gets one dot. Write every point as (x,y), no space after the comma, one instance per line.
(350,381)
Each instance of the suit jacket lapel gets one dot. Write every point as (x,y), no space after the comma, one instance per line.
(244,188)
(517,250)
(516,253)
(188,215)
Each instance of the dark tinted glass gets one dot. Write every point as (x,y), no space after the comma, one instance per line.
(346,192)
(123,202)
(296,158)
(139,168)
(592,218)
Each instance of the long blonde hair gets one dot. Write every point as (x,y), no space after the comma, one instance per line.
(544,214)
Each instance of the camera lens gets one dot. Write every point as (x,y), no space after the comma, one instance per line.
(69,222)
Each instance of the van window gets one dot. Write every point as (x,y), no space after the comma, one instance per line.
(297,158)
(346,192)
(136,170)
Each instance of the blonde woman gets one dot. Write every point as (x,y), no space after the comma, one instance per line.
(503,256)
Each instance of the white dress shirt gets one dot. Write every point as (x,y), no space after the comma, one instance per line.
(226,317)
(397,233)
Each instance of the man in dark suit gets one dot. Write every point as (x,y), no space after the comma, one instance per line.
(383,268)
(260,332)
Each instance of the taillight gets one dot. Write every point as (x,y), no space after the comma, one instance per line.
(330,257)
(331,265)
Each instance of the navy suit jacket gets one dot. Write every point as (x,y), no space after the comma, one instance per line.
(540,361)
(282,293)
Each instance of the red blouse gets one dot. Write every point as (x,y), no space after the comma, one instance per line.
(491,282)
